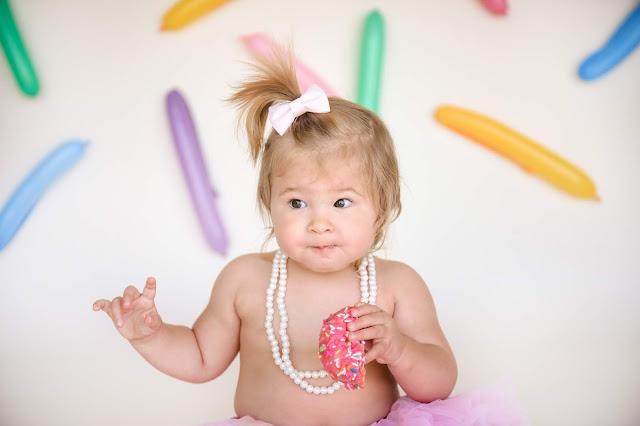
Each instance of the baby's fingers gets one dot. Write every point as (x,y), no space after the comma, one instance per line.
(149,290)
(153,321)
(116,308)
(368,320)
(102,305)
(374,353)
(369,333)
(130,294)
(361,309)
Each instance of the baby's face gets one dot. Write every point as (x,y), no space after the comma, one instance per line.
(323,216)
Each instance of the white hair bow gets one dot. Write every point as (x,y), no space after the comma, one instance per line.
(313,100)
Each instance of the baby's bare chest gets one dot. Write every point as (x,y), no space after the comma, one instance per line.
(306,308)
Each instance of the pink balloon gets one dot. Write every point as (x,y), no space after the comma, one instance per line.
(499,7)
(260,45)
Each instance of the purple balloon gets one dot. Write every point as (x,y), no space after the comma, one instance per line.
(195,171)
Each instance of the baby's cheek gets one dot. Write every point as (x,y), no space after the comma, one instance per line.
(360,236)
(289,236)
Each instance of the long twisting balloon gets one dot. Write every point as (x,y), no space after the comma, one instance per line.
(371,55)
(26,196)
(184,12)
(530,155)
(16,52)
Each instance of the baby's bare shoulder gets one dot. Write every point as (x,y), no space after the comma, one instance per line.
(238,277)
(242,271)
(247,263)
(403,283)
(397,273)
(244,275)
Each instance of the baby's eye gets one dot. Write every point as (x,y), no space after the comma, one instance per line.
(297,204)
(342,203)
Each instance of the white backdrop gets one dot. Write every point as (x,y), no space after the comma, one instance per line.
(528,281)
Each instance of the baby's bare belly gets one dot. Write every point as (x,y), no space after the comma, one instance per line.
(266,394)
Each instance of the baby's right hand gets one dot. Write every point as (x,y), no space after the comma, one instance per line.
(134,314)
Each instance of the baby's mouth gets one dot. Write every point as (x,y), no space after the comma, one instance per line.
(324,248)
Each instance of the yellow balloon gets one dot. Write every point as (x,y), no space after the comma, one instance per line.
(531,156)
(187,11)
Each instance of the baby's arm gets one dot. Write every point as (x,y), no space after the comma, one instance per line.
(411,342)
(426,368)
(196,354)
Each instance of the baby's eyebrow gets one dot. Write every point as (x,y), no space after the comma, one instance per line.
(348,188)
(287,190)
(341,189)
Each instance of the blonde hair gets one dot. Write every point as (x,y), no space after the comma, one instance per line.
(350,129)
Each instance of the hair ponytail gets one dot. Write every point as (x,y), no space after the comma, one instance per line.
(273,80)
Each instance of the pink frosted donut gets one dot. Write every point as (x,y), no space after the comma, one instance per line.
(342,359)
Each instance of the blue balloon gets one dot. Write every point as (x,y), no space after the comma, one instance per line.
(25,197)
(622,42)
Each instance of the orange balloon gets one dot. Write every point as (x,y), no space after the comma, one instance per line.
(531,156)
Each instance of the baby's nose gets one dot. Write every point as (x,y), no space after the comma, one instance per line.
(320,224)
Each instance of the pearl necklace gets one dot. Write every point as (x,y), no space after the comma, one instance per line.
(368,293)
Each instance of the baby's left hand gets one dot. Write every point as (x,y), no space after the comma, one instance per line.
(372,323)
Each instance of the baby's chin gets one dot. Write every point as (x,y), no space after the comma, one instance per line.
(326,260)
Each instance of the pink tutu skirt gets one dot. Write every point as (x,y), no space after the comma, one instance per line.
(492,405)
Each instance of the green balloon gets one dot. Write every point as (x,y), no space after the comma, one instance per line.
(16,52)
(371,53)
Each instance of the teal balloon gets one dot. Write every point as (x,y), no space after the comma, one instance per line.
(16,52)
(371,56)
